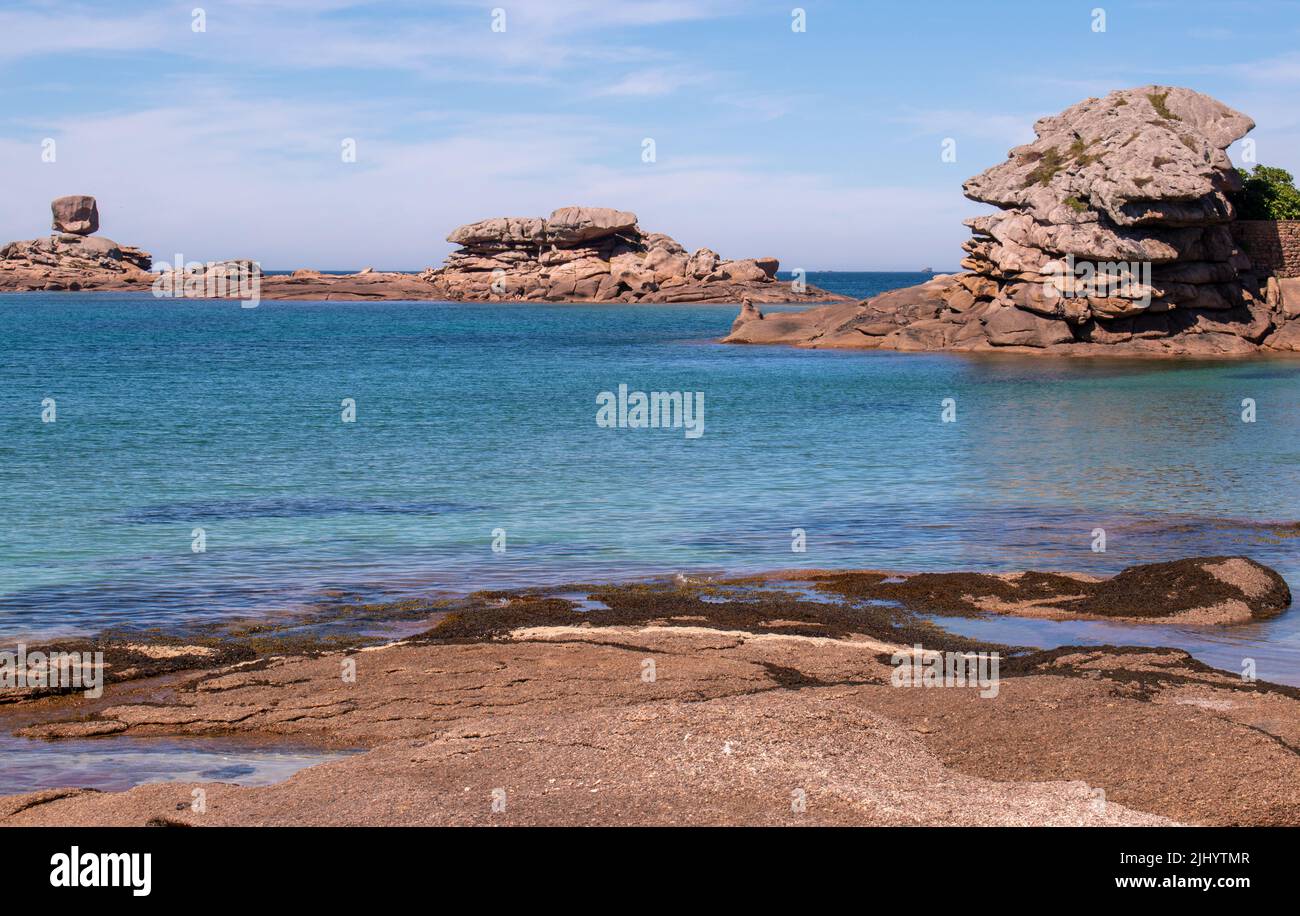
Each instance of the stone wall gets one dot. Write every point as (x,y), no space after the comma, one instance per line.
(1273,246)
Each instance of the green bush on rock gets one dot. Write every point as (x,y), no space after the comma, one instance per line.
(1267,193)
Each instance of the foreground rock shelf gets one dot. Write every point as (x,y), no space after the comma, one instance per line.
(1113,237)
(531,707)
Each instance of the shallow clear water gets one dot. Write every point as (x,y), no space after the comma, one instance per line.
(175,415)
(114,764)
(1273,649)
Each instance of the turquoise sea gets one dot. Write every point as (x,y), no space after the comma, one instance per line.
(173,416)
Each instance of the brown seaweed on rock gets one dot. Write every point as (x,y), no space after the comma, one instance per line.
(1195,590)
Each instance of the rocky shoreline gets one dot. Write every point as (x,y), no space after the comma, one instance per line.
(578,254)
(1113,237)
(69,259)
(761,700)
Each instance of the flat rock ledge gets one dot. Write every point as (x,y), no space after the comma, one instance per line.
(743,701)
(1113,237)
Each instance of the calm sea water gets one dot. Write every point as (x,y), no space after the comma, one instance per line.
(174,416)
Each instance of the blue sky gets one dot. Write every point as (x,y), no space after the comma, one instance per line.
(821,148)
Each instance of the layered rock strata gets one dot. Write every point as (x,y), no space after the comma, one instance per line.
(601,255)
(1113,235)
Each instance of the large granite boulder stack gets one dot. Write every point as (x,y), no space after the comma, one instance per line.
(597,254)
(70,259)
(1113,235)
(572,225)
(1139,177)
(77,214)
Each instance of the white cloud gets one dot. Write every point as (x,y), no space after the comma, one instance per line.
(43,30)
(235,178)
(218,169)
(1008,129)
(1271,71)
(449,41)
(648,83)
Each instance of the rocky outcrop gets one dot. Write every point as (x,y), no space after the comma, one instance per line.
(601,255)
(70,259)
(367,284)
(578,254)
(1138,179)
(1113,236)
(1199,591)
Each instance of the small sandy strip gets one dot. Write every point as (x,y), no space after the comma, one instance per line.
(167,651)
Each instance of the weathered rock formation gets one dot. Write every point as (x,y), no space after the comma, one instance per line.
(76,213)
(1113,235)
(70,259)
(1199,591)
(598,254)
(367,284)
(578,254)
